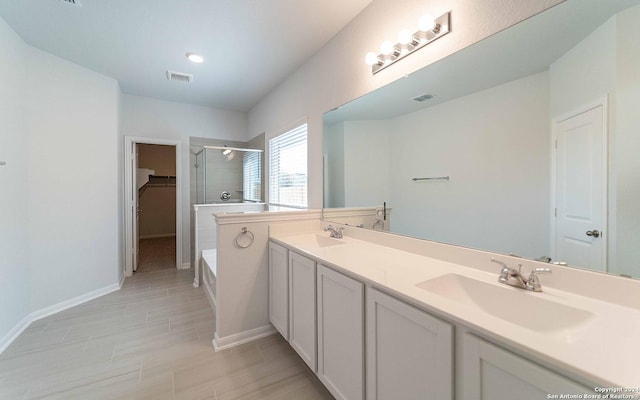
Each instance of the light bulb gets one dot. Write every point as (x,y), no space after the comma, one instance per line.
(371,58)
(195,58)
(405,37)
(426,23)
(386,48)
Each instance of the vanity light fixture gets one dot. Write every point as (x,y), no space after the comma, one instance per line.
(195,57)
(429,29)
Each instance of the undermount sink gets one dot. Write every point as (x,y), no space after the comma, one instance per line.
(517,306)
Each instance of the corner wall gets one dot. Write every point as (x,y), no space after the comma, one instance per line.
(60,230)
(72,123)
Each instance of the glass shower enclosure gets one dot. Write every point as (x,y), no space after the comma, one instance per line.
(228,175)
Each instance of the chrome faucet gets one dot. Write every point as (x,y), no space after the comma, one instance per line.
(513,277)
(335,232)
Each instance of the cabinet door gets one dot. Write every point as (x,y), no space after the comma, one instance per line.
(409,352)
(302,307)
(340,334)
(493,373)
(279,289)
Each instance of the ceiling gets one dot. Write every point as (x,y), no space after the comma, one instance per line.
(249,46)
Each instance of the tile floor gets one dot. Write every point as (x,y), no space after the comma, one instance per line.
(149,340)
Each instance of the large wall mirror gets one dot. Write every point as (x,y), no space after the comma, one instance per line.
(537,129)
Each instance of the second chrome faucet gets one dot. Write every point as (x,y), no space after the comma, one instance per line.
(513,277)
(335,232)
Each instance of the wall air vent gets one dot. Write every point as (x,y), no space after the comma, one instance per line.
(179,76)
(75,3)
(424,97)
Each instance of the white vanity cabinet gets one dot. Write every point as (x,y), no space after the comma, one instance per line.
(302,307)
(279,288)
(292,300)
(409,352)
(340,334)
(493,373)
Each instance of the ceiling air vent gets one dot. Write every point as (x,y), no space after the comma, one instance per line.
(75,3)
(179,76)
(424,97)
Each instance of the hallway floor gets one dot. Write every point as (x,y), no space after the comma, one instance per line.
(156,254)
(149,340)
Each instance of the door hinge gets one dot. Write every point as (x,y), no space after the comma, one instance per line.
(556,212)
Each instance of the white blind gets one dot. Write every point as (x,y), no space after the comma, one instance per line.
(288,168)
(252,176)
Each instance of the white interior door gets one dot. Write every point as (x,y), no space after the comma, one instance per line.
(581,189)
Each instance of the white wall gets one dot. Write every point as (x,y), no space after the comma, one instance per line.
(338,74)
(146,117)
(14,270)
(494,145)
(72,128)
(59,237)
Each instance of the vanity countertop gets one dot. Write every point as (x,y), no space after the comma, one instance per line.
(604,349)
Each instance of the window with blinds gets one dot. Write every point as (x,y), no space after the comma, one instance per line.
(288,169)
(252,176)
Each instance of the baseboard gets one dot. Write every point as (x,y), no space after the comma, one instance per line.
(159,236)
(56,308)
(242,337)
(63,305)
(14,333)
(121,282)
(186,265)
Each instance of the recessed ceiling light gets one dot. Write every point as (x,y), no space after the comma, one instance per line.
(195,58)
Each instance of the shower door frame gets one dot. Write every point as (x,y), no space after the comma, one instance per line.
(130,189)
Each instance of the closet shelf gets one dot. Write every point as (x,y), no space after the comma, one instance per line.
(159,181)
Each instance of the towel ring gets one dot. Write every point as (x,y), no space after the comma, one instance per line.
(244,238)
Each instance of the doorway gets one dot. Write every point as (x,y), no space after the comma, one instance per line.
(153,193)
(580,187)
(156,183)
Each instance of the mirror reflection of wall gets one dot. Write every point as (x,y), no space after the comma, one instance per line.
(493,145)
(489,127)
